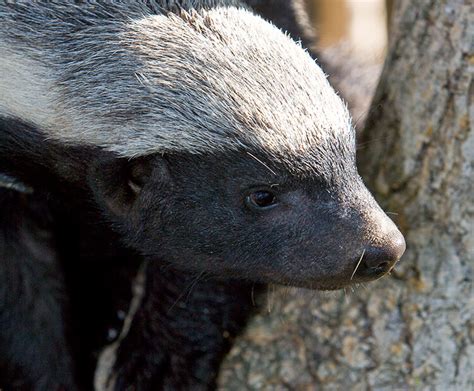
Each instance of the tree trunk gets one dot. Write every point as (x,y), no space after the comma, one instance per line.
(415,329)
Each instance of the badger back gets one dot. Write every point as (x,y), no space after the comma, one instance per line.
(138,79)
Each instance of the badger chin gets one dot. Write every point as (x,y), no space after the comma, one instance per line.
(323,285)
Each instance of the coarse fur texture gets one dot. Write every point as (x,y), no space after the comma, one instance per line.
(192,135)
(29,269)
(199,57)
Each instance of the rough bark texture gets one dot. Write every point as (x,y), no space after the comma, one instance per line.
(415,329)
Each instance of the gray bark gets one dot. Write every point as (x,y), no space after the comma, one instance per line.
(414,329)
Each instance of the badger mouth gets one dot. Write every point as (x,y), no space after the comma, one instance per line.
(322,286)
(332,283)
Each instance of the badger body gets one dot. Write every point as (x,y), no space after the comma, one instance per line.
(191,135)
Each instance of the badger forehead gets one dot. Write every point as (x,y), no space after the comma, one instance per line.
(224,78)
(196,82)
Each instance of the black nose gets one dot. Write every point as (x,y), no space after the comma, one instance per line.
(379,259)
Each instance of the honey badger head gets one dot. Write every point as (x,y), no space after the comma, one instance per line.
(223,149)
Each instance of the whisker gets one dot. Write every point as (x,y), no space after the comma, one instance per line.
(270,297)
(361,118)
(361,145)
(252,294)
(261,162)
(358,264)
(364,116)
(187,290)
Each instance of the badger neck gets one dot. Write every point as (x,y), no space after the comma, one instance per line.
(28,161)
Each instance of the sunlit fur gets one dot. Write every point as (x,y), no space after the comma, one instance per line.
(224,104)
(138,79)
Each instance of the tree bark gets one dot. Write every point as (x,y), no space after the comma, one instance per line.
(414,329)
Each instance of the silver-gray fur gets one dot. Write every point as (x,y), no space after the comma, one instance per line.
(136,79)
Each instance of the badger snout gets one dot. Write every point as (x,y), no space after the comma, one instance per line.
(377,260)
(384,244)
(368,243)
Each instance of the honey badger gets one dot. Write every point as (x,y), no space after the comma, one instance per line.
(193,135)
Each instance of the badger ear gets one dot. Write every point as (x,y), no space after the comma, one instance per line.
(117,183)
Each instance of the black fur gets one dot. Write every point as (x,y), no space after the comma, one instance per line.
(70,264)
(182,330)
(186,318)
(69,251)
(205,248)
(33,349)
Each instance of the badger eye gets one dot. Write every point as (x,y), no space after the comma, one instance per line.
(261,199)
